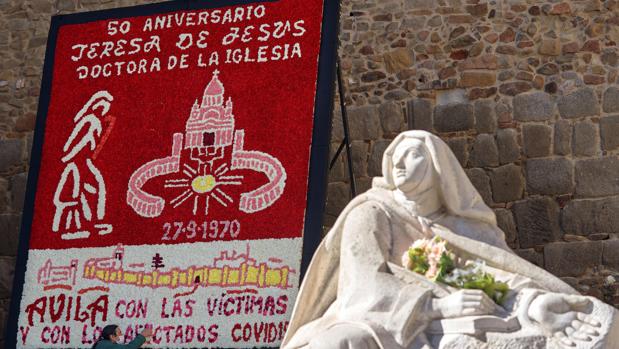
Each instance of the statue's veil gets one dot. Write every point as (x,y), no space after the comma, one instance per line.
(459,195)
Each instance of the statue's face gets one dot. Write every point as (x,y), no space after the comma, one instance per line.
(410,164)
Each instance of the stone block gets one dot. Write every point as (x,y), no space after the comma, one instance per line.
(18,191)
(3,321)
(10,153)
(572,258)
(586,141)
(550,176)
(419,4)
(562,8)
(572,281)
(398,60)
(591,79)
(454,117)
(507,183)
(597,177)
(373,76)
(532,256)
(550,47)
(29,139)
(481,182)
(26,122)
(419,114)
(44,6)
(376,158)
(505,221)
(397,94)
(359,154)
(66,5)
(485,117)
(507,143)
(391,117)
(609,132)
(9,228)
(548,69)
(5,304)
(476,78)
(18,24)
(460,147)
(610,100)
(508,35)
(364,123)
(610,257)
(454,96)
(485,61)
(537,219)
(478,10)
(580,103)
(563,137)
(4,196)
(536,106)
(484,152)
(591,216)
(338,172)
(598,236)
(363,184)
(337,128)
(435,21)
(327,222)
(537,140)
(415,23)
(572,238)
(610,57)
(462,41)
(477,93)
(338,195)
(7,270)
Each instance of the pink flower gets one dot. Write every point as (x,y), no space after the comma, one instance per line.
(432,271)
(438,248)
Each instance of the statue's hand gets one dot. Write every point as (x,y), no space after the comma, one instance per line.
(563,316)
(463,303)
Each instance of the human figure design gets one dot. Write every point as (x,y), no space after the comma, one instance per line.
(80,196)
(357,295)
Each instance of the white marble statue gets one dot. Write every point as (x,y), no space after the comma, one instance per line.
(356,294)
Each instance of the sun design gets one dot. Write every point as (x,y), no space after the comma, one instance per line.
(202,185)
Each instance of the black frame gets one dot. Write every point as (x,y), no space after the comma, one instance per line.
(321,134)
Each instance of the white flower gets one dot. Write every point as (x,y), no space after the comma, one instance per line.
(610,280)
(406,260)
(421,244)
(454,276)
(475,267)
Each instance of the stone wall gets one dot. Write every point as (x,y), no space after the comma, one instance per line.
(524,93)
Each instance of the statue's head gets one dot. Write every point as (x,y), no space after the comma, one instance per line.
(412,169)
(417,160)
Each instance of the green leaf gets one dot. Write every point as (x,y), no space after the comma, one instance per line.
(419,262)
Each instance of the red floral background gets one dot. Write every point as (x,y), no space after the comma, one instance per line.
(273,103)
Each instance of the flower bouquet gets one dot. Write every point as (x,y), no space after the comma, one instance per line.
(435,261)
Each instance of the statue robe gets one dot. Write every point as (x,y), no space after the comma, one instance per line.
(356,284)
(350,280)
